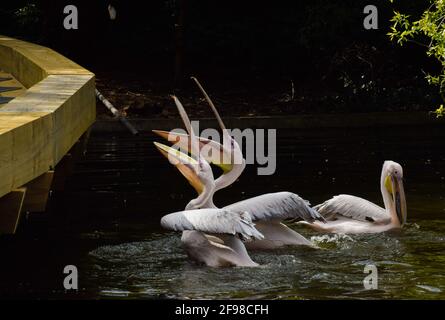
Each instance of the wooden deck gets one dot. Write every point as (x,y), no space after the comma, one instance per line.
(54,107)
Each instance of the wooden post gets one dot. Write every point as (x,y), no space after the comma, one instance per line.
(10,210)
(37,193)
(63,170)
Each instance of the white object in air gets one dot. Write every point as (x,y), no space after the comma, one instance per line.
(112,12)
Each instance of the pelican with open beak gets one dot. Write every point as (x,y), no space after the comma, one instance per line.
(210,235)
(349,214)
(228,155)
(267,210)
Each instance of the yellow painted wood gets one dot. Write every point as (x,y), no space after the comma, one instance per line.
(27,150)
(37,193)
(31,63)
(41,125)
(10,210)
(10,83)
(44,123)
(19,147)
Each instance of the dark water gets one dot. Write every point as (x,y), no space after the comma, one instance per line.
(106,223)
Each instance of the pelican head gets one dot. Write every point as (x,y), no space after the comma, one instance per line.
(197,172)
(393,192)
(230,147)
(213,151)
(228,155)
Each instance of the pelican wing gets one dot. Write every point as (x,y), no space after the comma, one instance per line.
(277,206)
(352,207)
(218,221)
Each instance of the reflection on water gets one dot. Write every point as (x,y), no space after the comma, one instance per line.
(107,224)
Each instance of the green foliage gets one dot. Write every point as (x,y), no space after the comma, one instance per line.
(427,30)
(27,15)
(440,112)
(21,19)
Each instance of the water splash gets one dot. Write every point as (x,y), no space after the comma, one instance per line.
(429,288)
(340,240)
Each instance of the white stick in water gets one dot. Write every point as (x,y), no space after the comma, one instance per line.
(116,112)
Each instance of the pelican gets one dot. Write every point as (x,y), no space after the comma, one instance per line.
(210,236)
(268,210)
(229,150)
(349,214)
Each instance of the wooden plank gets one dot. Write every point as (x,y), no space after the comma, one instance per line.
(10,210)
(6,163)
(24,70)
(42,124)
(10,81)
(37,193)
(6,62)
(4,100)
(69,99)
(26,148)
(80,113)
(32,63)
(8,89)
(48,95)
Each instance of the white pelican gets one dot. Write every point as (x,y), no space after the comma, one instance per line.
(219,154)
(267,211)
(349,214)
(210,236)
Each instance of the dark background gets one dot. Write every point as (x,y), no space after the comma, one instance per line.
(246,53)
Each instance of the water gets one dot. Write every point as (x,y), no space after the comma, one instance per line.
(106,223)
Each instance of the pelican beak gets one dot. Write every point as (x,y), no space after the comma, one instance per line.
(171,136)
(398,194)
(182,140)
(212,151)
(185,164)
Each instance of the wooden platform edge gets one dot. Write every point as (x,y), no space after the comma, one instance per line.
(40,126)
(11,210)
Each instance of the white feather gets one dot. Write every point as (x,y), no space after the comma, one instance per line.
(352,207)
(277,206)
(216,221)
